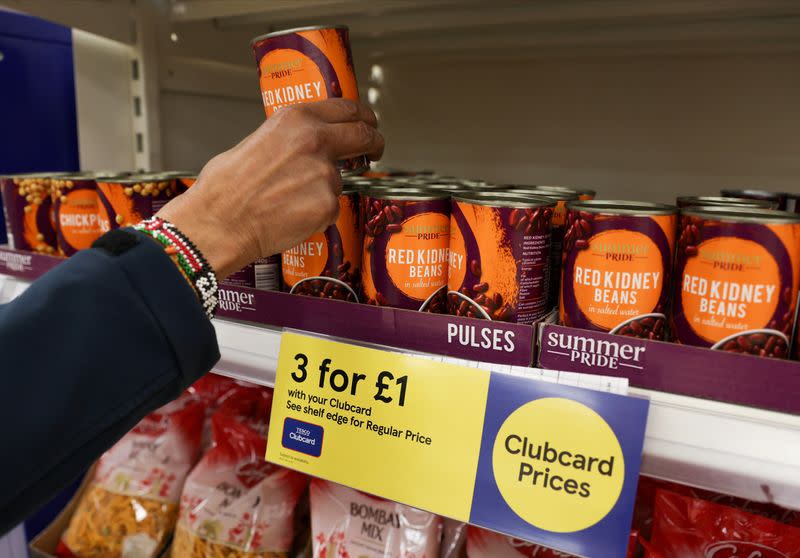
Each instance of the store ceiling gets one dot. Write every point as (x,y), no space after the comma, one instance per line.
(475,26)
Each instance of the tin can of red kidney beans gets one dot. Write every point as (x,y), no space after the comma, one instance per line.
(263,274)
(559,229)
(617,267)
(778,198)
(499,266)
(305,65)
(737,273)
(76,211)
(328,263)
(127,201)
(27,206)
(406,247)
(696,201)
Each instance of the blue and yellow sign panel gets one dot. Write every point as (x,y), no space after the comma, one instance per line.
(542,462)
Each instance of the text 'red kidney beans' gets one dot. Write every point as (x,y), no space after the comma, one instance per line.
(328,263)
(617,266)
(737,273)
(306,65)
(406,246)
(500,257)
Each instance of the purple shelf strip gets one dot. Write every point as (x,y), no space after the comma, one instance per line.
(694,371)
(470,339)
(25,265)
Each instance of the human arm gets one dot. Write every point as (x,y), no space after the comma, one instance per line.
(110,335)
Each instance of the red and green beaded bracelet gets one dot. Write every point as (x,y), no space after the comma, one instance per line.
(187,257)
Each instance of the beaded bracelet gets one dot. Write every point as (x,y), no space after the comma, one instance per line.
(191,263)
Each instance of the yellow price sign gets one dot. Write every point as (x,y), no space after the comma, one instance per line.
(543,462)
(406,428)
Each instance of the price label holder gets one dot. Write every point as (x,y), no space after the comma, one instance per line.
(552,464)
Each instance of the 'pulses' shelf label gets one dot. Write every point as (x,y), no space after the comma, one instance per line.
(542,462)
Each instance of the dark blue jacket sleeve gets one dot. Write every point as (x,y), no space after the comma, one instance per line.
(86,352)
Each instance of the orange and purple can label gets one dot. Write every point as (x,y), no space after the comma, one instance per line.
(27,205)
(737,275)
(124,202)
(306,65)
(76,211)
(617,263)
(406,247)
(328,263)
(499,263)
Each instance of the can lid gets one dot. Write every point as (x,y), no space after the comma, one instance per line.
(36,175)
(754,193)
(623,207)
(686,201)
(553,188)
(741,214)
(444,187)
(75,176)
(409,194)
(295,30)
(549,194)
(504,199)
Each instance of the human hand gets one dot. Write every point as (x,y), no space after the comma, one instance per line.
(277,187)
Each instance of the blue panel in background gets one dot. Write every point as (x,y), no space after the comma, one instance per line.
(37,96)
(38,126)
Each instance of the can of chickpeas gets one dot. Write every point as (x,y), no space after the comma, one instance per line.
(562,197)
(27,205)
(126,201)
(500,257)
(76,211)
(305,65)
(737,273)
(617,267)
(406,244)
(328,263)
(696,201)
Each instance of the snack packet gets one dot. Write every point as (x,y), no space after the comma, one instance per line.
(348,523)
(688,527)
(234,503)
(131,505)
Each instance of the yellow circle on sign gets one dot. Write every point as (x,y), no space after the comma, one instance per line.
(558,465)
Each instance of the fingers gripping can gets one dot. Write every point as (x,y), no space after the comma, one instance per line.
(617,267)
(406,246)
(305,65)
(500,258)
(328,264)
(737,273)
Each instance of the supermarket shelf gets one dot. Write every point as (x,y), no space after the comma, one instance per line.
(743,451)
(746,452)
